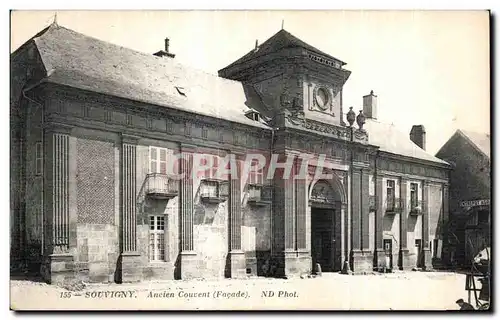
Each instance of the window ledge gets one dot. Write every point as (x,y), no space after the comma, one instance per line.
(158,262)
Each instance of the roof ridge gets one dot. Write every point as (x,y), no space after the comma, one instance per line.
(400,131)
(474,143)
(171,61)
(293,41)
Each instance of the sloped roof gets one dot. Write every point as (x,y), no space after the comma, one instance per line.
(281,40)
(392,140)
(87,63)
(480,140)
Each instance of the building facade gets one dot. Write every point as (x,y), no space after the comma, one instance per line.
(469,228)
(95,127)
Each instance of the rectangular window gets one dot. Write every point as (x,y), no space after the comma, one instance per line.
(256,176)
(158,160)
(212,172)
(391,195)
(157,238)
(38,158)
(483,217)
(413,195)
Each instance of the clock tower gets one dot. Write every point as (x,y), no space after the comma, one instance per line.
(287,73)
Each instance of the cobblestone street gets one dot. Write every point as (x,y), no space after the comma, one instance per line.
(397,291)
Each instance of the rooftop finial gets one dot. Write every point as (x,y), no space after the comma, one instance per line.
(55,19)
(282,24)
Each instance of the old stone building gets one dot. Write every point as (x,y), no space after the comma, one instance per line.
(469,228)
(95,125)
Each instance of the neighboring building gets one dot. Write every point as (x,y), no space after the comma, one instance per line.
(94,125)
(469,230)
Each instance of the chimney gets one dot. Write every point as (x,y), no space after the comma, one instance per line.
(417,135)
(167,40)
(163,53)
(370,106)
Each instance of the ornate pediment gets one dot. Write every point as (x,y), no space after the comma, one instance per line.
(297,119)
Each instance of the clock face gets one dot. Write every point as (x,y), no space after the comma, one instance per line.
(322,98)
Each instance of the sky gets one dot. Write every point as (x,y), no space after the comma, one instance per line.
(426,67)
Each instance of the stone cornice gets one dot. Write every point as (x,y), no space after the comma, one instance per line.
(292,58)
(297,122)
(129,139)
(188,148)
(149,110)
(398,157)
(58,127)
(410,177)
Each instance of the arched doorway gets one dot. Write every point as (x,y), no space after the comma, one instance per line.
(325,201)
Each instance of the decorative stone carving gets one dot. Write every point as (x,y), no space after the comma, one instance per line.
(285,99)
(298,102)
(322,99)
(360,136)
(361,119)
(351,116)
(322,193)
(297,119)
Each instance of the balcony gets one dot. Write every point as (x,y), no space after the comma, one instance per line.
(416,208)
(393,207)
(214,191)
(161,186)
(259,195)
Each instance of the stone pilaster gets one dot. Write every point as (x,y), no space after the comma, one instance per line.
(426,254)
(356,209)
(301,206)
(379,222)
(130,258)
(344,232)
(236,255)
(404,260)
(188,258)
(287,259)
(361,259)
(58,262)
(365,211)
(289,194)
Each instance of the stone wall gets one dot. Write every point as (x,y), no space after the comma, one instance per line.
(97,252)
(256,237)
(211,238)
(34,186)
(97,230)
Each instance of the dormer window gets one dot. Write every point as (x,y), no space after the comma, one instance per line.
(253,115)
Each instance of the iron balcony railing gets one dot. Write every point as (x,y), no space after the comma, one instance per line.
(161,186)
(393,206)
(259,194)
(416,207)
(214,191)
